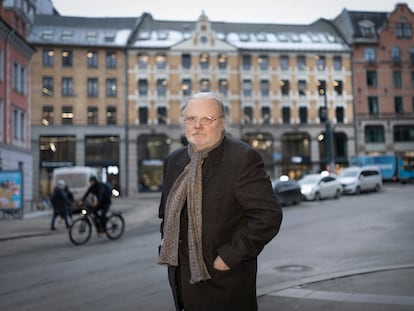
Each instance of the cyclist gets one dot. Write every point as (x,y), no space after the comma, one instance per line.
(101,204)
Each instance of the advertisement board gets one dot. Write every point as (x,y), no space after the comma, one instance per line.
(11,190)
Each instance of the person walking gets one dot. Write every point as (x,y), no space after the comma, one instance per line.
(218,211)
(60,203)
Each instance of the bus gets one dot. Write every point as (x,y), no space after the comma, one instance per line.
(392,167)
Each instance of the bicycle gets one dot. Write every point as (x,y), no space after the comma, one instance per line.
(81,229)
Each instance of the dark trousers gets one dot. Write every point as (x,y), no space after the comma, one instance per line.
(64,215)
(100,215)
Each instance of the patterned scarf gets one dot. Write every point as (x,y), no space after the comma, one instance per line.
(187,187)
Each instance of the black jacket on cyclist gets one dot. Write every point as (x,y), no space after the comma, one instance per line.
(100,190)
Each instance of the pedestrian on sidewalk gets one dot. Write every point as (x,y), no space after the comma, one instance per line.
(60,203)
(218,211)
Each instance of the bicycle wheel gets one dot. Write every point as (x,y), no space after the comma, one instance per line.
(114,227)
(80,232)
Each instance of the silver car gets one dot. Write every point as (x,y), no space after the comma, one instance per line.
(320,186)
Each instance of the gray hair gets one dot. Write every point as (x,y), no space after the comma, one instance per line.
(208,95)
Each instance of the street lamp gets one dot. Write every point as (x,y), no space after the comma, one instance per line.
(328,135)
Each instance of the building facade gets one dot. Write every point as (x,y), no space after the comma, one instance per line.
(383,74)
(15,89)
(79,88)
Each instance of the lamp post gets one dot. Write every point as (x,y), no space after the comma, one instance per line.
(328,137)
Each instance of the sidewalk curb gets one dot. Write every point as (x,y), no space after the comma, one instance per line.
(336,275)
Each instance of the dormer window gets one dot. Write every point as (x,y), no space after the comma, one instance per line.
(162,35)
(66,36)
(244,37)
(367,29)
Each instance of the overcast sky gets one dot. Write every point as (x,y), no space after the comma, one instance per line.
(254,11)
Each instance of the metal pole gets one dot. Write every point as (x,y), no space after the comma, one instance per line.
(328,138)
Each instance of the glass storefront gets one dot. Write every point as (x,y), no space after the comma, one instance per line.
(54,151)
(152,151)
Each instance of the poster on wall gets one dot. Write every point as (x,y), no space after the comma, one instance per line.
(11,190)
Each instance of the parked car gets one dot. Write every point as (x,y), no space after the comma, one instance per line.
(319,186)
(287,192)
(355,179)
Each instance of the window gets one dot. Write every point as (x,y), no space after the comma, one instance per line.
(301,62)
(303,115)
(143,115)
(19,125)
(67,86)
(373,107)
(67,115)
(223,87)
(205,85)
(48,57)
(321,63)
(162,87)
(396,79)
(186,61)
(284,62)
(246,62)
(19,78)
(404,133)
(47,115)
(403,30)
(337,63)
(111,87)
(248,114)
(371,78)
(370,55)
(111,61)
(111,115)
(222,61)
(302,87)
(285,87)
(101,149)
(263,62)
(411,52)
(265,111)
(323,114)
(143,60)
(286,115)
(247,88)
(92,59)
(412,79)
(92,87)
(92,115)
(161,61)
(67,58)
(204,61)
(264,88)
(338,87)
(162,115)
(143,87)
(395,55)
(340,114)
(47,87)
(398,105)
(186,87)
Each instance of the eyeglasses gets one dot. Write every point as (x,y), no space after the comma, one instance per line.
(203,120)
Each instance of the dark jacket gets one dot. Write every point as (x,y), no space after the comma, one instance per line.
(60,201)
(100,190)
(240,215)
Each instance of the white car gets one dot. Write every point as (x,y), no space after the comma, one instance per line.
(360,179)
(319,186)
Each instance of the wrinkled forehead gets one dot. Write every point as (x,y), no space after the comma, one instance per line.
(202,107)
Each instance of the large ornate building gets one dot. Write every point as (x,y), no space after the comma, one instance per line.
(107,92)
